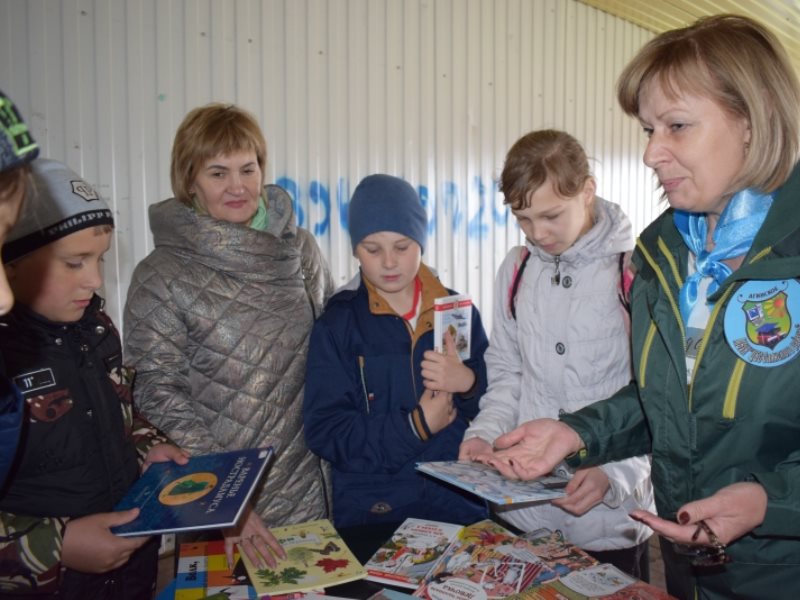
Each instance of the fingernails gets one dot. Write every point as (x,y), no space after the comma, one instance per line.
(683,518)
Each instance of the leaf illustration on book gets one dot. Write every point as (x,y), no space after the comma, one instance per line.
(329,565)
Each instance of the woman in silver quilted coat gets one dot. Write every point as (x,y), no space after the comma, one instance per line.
(218,316)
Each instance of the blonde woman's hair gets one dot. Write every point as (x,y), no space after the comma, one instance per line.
(739,64)
(538,155)
(209,131)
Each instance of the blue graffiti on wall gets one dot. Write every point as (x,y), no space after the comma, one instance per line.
(452,198)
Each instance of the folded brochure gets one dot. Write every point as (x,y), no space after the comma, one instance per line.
(488,483)
(208,492)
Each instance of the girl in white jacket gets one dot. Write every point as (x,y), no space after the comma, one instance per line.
(560,341)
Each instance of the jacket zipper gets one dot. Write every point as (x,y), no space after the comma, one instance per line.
(709,327)
(735,382)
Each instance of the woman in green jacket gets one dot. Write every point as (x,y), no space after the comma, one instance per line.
(716,307)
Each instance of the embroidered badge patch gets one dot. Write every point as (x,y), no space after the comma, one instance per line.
(761,322)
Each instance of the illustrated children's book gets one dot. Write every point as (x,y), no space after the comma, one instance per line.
(601,582)
(485,561)
(208,492)
(557,553)
(203,572)
(411,552)
(488,483)
(316,558)
(453,314)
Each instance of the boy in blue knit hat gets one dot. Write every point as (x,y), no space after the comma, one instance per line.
(378,398)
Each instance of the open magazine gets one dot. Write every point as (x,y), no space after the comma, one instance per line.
(484,562)
(488,483)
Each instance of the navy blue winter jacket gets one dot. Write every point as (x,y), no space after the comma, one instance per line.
(363,379)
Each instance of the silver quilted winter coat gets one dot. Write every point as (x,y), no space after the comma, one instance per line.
(216,325)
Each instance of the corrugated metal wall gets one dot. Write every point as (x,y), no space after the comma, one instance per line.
(434,91)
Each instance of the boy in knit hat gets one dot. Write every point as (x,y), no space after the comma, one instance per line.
(378,398)
(82,445)
(17,150)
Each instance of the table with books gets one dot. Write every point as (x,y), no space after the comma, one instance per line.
(422,559)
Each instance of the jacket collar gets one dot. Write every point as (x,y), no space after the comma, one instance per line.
(230,247)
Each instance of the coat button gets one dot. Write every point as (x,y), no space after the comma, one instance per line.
(59,341)
(99,330)
(566,281)
(380,508)
(560,348)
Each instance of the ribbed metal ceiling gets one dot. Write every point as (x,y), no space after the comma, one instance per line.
(781,16)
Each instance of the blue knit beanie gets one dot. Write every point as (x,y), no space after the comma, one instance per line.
(385,203)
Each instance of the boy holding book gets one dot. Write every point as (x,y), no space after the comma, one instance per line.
(82,444)
(378,398)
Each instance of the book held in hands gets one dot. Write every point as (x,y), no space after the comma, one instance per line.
(484,481)
(209,492)
(453,314)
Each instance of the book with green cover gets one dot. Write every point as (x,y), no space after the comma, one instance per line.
(316,558)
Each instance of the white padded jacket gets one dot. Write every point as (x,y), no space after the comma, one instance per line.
(568,347)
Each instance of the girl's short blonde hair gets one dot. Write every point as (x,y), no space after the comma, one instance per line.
(538,155)
(739,64)
(209,131)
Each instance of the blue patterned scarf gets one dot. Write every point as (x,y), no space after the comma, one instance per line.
(733,236)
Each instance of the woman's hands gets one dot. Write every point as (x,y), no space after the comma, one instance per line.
(534,448)
(730,513)
(254,539)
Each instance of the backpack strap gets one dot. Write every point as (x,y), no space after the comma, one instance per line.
(515,280)
(625,280)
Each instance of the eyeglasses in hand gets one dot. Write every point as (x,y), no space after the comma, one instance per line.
(708,555)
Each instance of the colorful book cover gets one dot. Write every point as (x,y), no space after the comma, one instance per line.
(486,561)
(203,573)
(411,552)
(557,553)
(599,582)
(453,314)
(209,492)
(316,558)
(486,482)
